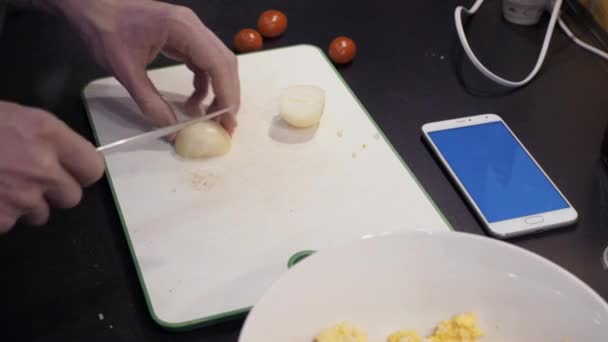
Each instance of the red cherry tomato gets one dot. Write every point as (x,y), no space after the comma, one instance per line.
(342,50)
(247,40)
(272,23)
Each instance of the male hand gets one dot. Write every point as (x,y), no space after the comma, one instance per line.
(43,163)
(126,35)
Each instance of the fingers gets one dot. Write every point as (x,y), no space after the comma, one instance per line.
(31,200)
(38,214)
(31,204)
(229,123)
(194,43)
(64,192)
(78,156)
(201,88)
(24,203)
(135,79)
(226,85)
(43,163)
(8,218)
(228,120)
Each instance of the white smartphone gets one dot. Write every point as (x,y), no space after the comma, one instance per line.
(506,187)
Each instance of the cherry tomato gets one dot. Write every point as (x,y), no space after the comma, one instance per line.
(342,50)
(247,40)
(272,23)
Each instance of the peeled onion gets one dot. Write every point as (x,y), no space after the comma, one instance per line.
(302,105)
(202,140)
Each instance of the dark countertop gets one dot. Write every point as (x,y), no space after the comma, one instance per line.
(58,278)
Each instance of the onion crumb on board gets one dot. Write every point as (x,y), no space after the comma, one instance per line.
(340,133)
(201,179)
(354,155)
(376,136)
(364,146)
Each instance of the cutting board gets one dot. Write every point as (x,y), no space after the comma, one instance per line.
(208,237)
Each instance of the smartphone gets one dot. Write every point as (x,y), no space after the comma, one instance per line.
(509,191)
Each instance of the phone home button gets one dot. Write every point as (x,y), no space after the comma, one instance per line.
(534,219)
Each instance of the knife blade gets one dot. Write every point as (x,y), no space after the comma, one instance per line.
(161,132)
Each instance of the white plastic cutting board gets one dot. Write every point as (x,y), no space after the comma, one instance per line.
(208,237)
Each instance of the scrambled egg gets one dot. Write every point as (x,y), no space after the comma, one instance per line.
(343,332)
(405,336)
(462,328)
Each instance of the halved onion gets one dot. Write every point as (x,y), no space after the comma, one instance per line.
(302,105)
(202,140)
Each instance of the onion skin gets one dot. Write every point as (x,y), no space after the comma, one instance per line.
(203,139)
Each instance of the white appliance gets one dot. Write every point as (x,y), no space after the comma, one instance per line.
(524,12)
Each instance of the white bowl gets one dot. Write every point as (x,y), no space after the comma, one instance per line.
(415,280)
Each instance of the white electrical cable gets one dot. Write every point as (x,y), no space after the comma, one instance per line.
(543,52)
(486,71)
(579,42)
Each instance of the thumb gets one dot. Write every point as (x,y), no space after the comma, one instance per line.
(147,97)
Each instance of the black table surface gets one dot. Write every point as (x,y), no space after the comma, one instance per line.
(409,70)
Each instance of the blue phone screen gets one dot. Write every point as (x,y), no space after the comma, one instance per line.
(497,172)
